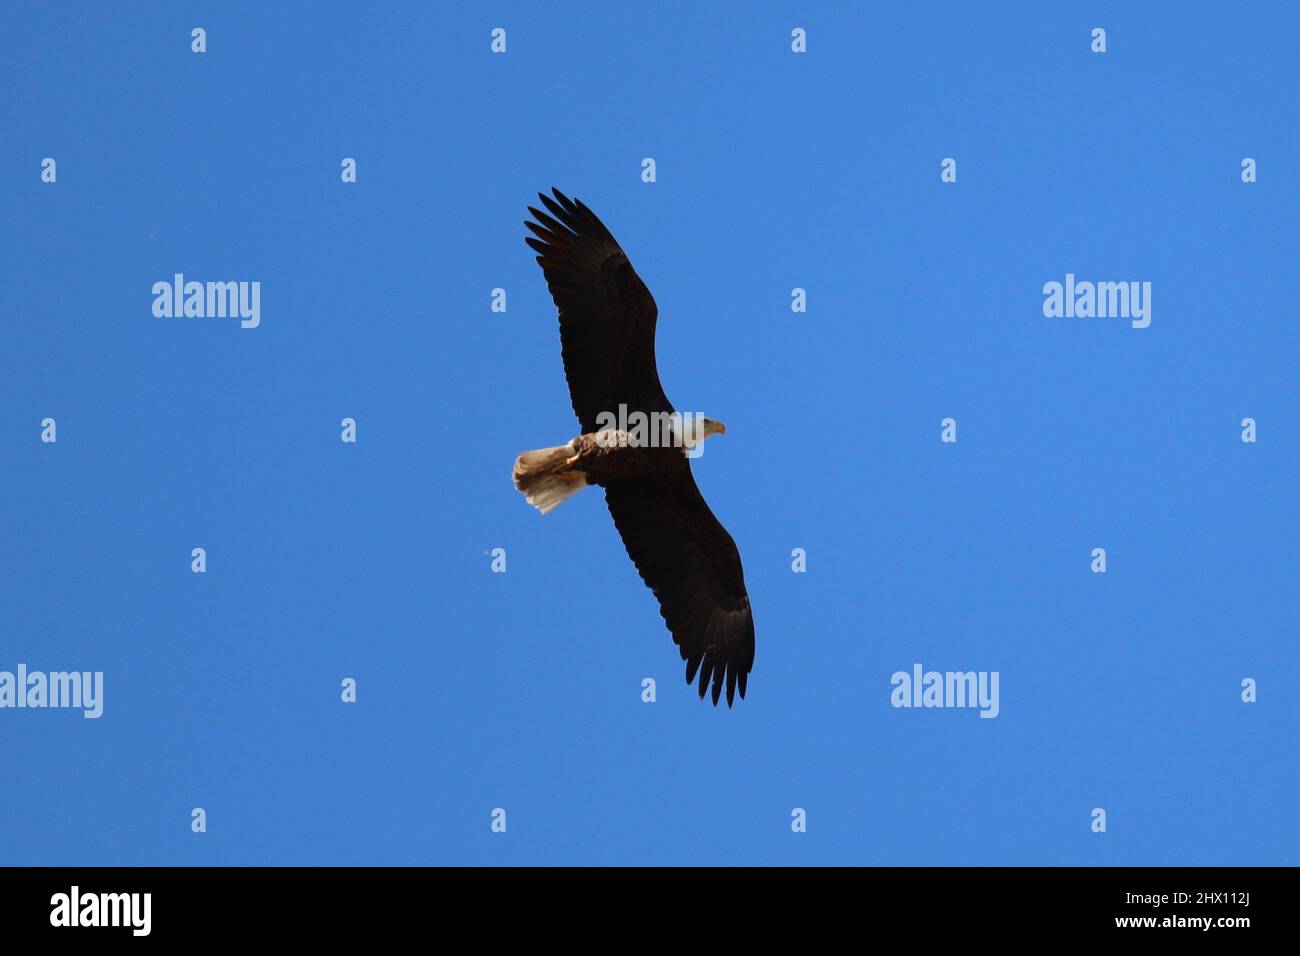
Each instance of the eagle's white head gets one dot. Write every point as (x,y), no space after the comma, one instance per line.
(696,428)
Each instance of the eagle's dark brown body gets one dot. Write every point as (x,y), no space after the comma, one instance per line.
(612,455)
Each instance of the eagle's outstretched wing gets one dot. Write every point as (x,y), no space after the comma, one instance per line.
(685,555)
(607,315)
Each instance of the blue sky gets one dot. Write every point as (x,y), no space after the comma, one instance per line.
(522,690)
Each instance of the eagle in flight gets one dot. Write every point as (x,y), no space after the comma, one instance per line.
(607,336)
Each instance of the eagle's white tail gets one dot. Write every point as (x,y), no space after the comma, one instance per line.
(540,475)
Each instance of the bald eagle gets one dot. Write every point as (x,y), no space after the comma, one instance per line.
(607,336)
